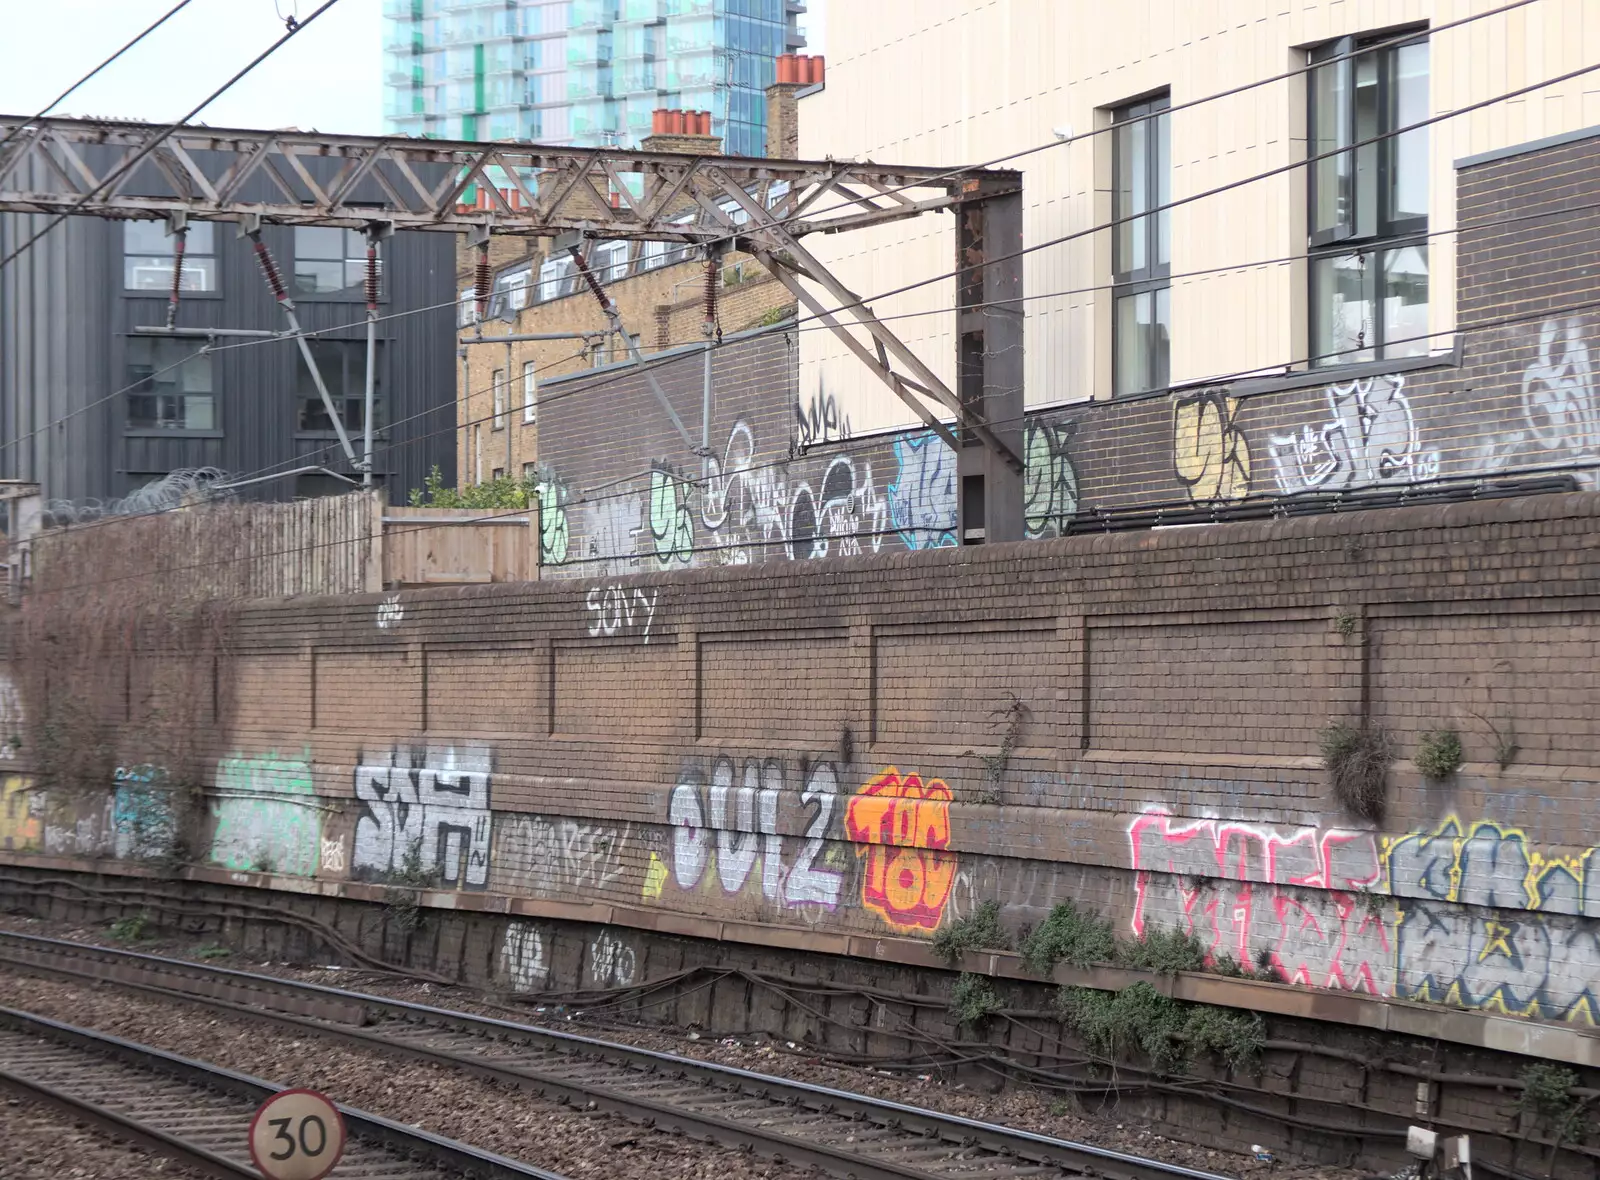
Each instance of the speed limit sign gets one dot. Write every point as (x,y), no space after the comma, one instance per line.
(296,1135)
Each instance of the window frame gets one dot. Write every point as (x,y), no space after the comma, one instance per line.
(530,393)
(350,292)
(164,290)
(500,397)
(1343,237)
(155,343)
(1155,276)
(347,349)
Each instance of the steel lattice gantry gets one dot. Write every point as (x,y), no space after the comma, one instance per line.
(762,206)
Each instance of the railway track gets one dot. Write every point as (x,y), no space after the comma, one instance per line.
(198,1114)
(841,1133)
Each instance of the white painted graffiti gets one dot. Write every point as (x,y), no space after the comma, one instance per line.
(732,823)
(390,613)
(1558,394)
(616,610)
(333,856)
(431,806)
(11,717)
(268,819)
(1370,437)
(561,857)
(612,962)
(836,518)
(611,535)
(522,960)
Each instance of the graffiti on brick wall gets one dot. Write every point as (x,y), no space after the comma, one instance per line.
(1558,393)
(1049,482)
(612,962)
(554,530)
(1297,897)
(908,869)
(142,815)
(922,498)
(728,830)
(563,857)
(21,814)
(1369,437)
(391,613)
(1470,914)
(11,717)
(1489,920)
(86,829)
(428,807)
(268,819)
(1210,454)
(612,525)
(671,525)
(522,959)
(839,514)
(620,611)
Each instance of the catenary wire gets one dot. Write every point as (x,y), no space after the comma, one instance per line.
(62,97)
(491,515)
(128,165)
(685,353)
(1393,40)
(800,320)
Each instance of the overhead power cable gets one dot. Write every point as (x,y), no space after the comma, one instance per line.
(133,161)
(1063,141)
(62,97)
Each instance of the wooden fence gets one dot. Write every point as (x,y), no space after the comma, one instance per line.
(349,544)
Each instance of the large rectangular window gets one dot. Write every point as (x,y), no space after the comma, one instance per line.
(1141,245)
(148,250)
(499,383)
(170,386)
(530,393)
(343,366)
(330,261)
(1368,200)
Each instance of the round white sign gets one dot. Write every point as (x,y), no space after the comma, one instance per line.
(296,1135)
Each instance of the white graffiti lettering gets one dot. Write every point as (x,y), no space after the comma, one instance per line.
(615,610)
(430,807)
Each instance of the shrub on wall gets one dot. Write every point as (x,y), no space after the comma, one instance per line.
(1439,753)
(1357,761)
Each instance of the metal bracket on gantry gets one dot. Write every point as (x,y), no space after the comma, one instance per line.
(768,206)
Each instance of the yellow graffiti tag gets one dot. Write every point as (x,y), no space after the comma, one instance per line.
(20,827)
(1210,456)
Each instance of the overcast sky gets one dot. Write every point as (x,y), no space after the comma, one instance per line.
(329,77)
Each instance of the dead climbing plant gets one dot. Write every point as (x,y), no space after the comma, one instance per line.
(120,665)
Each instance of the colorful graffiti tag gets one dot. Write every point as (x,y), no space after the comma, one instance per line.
(909,870)
(1469,914)
(268,818)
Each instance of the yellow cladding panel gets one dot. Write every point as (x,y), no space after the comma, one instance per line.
(966,81)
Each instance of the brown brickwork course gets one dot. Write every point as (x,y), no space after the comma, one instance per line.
(872,748)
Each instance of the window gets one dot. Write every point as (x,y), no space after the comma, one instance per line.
(555,277)
(613,351)
(171,386)
(1142,246)
(498,473)
(530,394)
(467,309)
(330,261)
(611,261)
(148,250)
(510,293)
(1368,204)
(498,382)
(343,365)
(652,255)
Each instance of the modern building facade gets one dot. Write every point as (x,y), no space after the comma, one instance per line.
(94,409)
(1265,262)
(582,72)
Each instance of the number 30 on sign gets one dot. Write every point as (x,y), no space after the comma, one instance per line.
(296,1135)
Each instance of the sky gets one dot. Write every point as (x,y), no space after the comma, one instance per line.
(328,77)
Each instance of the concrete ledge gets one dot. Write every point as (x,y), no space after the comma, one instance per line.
(1506,1034)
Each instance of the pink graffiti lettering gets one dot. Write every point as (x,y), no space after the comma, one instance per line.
(1296,899)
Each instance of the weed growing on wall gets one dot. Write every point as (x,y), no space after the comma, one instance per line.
(973,999)
(119,654)
(1166,951)
(1357,761)
(1068,935)
(1345,622)
(1439,753)
(1168,1033)
(130,929)
(403,894)
(1010,716)
(1505,744)
(980,930)
(1547,1100)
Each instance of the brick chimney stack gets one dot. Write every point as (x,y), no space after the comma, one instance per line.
(795,73)
(685,132)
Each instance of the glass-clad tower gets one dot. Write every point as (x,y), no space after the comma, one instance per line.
(582,72)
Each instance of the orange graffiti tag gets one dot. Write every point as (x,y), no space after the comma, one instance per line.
(906,825)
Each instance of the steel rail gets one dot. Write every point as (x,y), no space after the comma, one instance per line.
(844,1133)
(198,1113)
